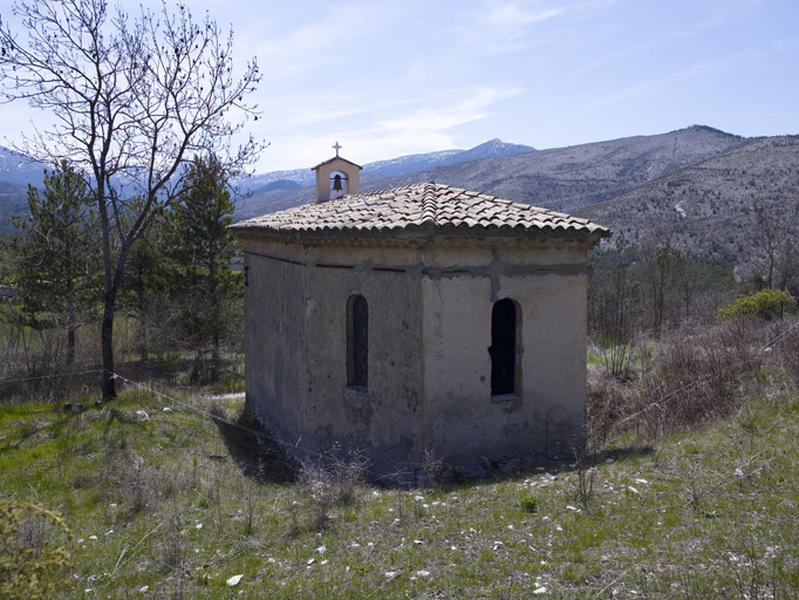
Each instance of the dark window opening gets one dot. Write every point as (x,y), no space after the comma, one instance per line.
(357,342)
(503,348)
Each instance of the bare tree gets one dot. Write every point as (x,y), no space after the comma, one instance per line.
(774,242)
(132,99)
(613,298)
(662,266)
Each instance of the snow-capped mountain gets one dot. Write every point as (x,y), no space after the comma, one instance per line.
(394,167)
(18,169)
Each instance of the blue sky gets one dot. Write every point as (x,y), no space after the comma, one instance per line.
(391,78)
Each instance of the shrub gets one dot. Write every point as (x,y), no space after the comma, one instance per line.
(529,503)
(767,304)
(606,404)
(332,479)
(692,380)
(697,379)
(27,568)
(789,353)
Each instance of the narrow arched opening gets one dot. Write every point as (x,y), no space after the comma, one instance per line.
(503,350)
(339,184)
(357,342)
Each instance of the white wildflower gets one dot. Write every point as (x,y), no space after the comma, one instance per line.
(234,580)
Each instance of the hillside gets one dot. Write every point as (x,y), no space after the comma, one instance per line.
(561,178)
(164,502)
(18,169)
(16,172)
(394,167)
(12,202)
(709,203)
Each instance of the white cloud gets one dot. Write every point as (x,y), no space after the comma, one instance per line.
(512,15)
(406,127)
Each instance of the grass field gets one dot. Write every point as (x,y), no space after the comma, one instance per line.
(168,503)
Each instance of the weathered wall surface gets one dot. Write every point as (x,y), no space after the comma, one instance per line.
(297,354)
(546,416)
(429,332)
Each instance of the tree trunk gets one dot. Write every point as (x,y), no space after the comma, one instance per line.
(215,356)
(70,346)
(144,318)
(71,333)
(107,345)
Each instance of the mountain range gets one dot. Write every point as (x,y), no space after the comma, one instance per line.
(395,167)
(566,179)
(700,183)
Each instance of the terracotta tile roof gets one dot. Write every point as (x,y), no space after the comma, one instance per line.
(419,206)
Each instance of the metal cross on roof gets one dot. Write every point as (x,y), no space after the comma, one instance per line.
(336,147)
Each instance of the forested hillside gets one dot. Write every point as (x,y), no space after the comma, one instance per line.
(560,178)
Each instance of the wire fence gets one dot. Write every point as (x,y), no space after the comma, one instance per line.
(298,447)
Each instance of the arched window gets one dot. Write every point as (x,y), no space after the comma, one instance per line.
(339,184)
(503,347)
(357,342)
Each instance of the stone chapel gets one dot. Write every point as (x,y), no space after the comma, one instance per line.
(424,317)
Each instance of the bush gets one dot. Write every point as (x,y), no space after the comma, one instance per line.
(606,405)
(332,479)
(788,351)
(27,568)
(767,304)
(529,503)
(693,380)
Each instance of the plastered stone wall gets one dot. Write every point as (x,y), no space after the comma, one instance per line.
(296,368)
(545,415)
(429,332)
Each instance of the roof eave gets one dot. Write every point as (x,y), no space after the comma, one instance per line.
(425,231)
(329,160)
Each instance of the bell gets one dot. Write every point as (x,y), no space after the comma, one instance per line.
(337,183)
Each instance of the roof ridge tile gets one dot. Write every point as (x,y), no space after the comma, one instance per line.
(429,203)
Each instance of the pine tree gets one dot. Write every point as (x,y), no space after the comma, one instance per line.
(56,254)
(146,294)
(203,252)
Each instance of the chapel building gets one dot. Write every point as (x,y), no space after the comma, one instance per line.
(420,318)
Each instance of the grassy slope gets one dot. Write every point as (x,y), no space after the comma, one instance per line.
(673,521)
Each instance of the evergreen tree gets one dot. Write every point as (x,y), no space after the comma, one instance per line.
(202,251)
(55,256)
(146,293)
